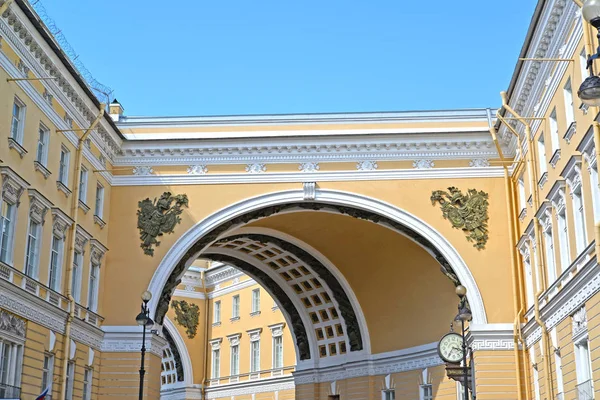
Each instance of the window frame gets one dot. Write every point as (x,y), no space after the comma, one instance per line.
(569,107)
(87,384)
(6,254)
(37,236)
(254,367)
(48,373)
(83,184)
(20,121)
(99,204)
(56,269)
(277,355)
(69,378)
(92,300)
(234,367)
(76,283)
(217,312)
(235,306)
(44,139)
(216,364)
(256,300)
(63,165)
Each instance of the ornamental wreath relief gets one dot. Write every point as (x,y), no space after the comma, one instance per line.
(187,316)
(467,212)
(159,217)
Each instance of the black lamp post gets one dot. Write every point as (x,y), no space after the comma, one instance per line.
(464,315)
(143,319)
(589,91)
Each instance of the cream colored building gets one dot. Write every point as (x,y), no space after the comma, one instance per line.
(335,220)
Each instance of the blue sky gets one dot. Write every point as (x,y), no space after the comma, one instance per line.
(198,57)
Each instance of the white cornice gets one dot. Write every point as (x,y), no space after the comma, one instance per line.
(251,387)
(301,177)
(128,339)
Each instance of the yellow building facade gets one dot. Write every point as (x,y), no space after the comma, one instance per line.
(299,256)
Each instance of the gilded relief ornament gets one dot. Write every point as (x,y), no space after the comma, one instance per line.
(187,315)
(467,212)
(159,217)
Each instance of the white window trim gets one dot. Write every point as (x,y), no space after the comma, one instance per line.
(59,263)
(255,301)
(36,251)
(77,274)
(50,373)
(217,306)
(92,300)
(87,393)
(235,311)
(65,179)
(83,184)
(99,206)
(569,103)
(12,214)
(21,124)
(70,375)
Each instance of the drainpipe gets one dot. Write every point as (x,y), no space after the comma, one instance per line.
(537,237)
(71,253)
(206,322)
(509,202)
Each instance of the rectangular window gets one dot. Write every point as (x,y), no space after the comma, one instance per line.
(522,198)
(256,300)
(18,121)
(235,360)
(69,380)
(235,309)
(388,394)
(83,177)
(31,255)
(563,240)
(583,64)
(93,288)
(542,154)
(528,281)
(557,363)
(6,225)
(278,352)
(99,201)
(42,145)
(583,368)
(255,356)
(87,384)
(579,219)
(550,260)
(11,359)
(568,97)
(48,373)
(216,363)
(55,264)
(63,168)
(76,283)
(554,139)
(536,375)
(595,192)
(426,392)
(217,312)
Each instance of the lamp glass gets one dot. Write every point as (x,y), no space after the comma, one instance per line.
(591,10)
(146,296)
(589,91)
(464,314)
(461,290)
(149,323)
(142,319)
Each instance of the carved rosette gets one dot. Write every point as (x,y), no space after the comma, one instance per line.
(13,185)
(60,223)
(38,206)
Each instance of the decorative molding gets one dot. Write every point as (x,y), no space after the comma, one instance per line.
(580,324)
(571,130)
(60,222)
(366,165)
(491,337)
(572,173)
(254,334)
(310,190)
(425,164)
(13,185)
(187,316)
(234,339)
(142,170)
(38,206)
(16,146)
(41,168)
(198,169)
(250,387)
(256,168)
(277,329)
(99,221)
(479,163)
(63,188)
(84,207)
(12,325)
(81,239)
(97,251)
(543,180)
(588,149)
(215,344)
(555,158)
(128,339)
(309,167)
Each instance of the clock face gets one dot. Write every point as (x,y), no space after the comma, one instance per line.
(450,348)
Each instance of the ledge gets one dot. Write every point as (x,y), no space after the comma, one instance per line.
(13,144)
(543,180)
(555,158)
(84,207)
(571,130)
(63,188)
(99,221)
(523,214)
(584,108)
(215,324)
(41,169)
(234,319)
(255,313)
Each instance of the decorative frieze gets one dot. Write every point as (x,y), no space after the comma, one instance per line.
(277,329)
(12,185)
(234,340)
(256,168)
(199,169)
(544,216)
(479,163)
(12,325)
(588,149)
(254,334)
(423,164)
(556,195)
(366,165)
(142,170)
(309,167)
(215,344)
(38,206)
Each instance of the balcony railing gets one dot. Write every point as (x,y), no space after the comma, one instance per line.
(9,392)
(585,391)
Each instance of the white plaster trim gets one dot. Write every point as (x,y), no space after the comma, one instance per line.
(189,294)
(232,288)
(128,339)
(491,337)
(301,177)
(186,361)
(186,240)
(182,393)
(250,387)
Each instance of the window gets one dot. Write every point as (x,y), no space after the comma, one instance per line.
(18,121)
(217,312)
(235,360)
(563,240)
(48,373)
(278,352)
(6,225)
(256,300)
(568,97)
(536,375)
(583,64)
(528,279)
(99,201)
(83,176)
(235,309)
(31,255)
(583,368)
(542,154)
(216,363)
(255,356)
(554,141)
(426,392)
(557,362)
(76,283)
(55,263)
(87,384)
(11,357)
(388,394)
(69,380)
(579,219)
(595,192)
(93,287)
(522,199)
(63,168)
(42,145)
(550,260)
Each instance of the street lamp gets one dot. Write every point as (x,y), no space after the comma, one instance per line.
(143,319)
(589,91)
(464,315)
